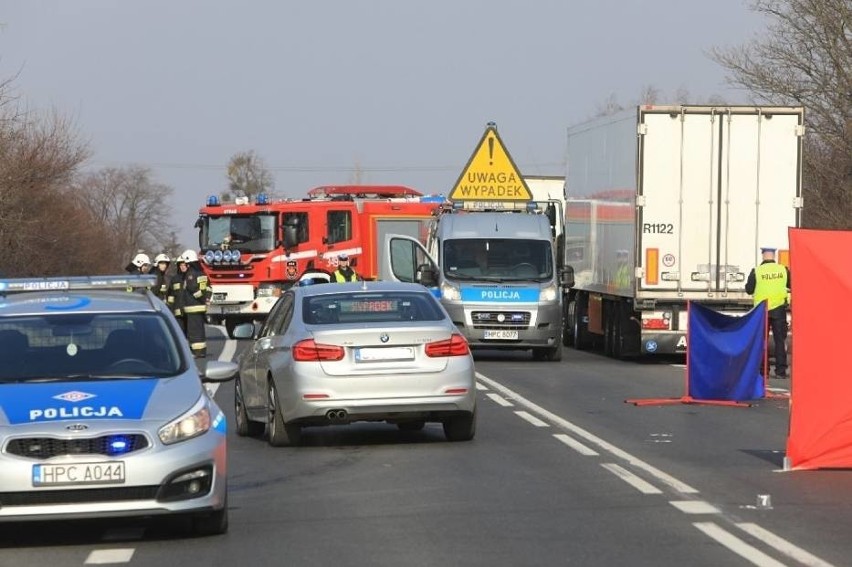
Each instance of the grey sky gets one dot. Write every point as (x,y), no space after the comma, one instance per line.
(400,89)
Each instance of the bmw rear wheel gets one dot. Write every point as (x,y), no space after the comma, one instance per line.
(279,433)
(460,427)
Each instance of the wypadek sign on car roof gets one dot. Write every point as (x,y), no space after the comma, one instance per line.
(490,174)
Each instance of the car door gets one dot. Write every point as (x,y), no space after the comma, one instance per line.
(406,260)
(269,341)
(254,388)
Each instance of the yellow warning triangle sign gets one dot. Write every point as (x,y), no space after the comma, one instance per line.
(490,174)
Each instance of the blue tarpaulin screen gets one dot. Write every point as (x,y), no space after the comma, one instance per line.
(725,354)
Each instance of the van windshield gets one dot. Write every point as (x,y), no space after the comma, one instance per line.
(499,258)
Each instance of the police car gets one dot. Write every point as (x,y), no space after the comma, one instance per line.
(103,412)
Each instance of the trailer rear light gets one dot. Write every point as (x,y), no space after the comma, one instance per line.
(652,266)
(456,345)
(311,351)
(655,324)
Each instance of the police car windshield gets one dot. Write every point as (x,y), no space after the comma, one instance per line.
(87,346)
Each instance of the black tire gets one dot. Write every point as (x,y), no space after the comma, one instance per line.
(245,426)
(230,325)
(411,425)
(609,329)
(280,434)
(211,523)
(618,335)
(460,427)
(552,354)
(567,323)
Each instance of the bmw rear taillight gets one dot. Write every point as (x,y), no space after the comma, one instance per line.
(456,345)
(311,351)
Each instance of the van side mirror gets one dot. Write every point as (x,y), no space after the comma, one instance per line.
(566,276)
(426,275)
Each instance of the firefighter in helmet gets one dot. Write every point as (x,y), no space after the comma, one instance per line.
(140,264)
(174,295)
(194,296)
(161,288)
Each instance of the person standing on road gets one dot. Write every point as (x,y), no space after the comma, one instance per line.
(770,282)
(161,288)
(344,272)
(174,298)
(194,293)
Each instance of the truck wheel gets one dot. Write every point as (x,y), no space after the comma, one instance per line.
(609,331)
(582,341)
(567,323)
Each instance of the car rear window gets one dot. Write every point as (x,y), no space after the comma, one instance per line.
(58,345)
(374,307)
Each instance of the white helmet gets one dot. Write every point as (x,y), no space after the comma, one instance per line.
(188,256)
(162,258)
(140,260)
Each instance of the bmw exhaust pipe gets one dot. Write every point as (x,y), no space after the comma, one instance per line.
(336,415)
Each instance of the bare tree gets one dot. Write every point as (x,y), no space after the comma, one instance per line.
(805,58)
(247,176)
(132,206)
(39,154)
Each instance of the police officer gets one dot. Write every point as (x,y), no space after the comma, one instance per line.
(770,282)
(344,272)
(141,264)
(161,288)
(194,293)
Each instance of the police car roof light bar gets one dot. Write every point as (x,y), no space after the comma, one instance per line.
(123,282)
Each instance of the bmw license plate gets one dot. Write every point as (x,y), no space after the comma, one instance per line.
(78,473)
(501,334)
(386,353)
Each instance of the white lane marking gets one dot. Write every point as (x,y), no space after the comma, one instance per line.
(784,546)
(631,479)
(500,400)
(531,418)
(679,365)
(109,556)
(226,355)
(694,507)
(576,445)
(481,387)
(738,546)
(123,534)
(663,477)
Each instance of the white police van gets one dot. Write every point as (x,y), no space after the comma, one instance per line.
(103,412)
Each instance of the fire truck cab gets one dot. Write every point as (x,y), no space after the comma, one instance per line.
(251,251)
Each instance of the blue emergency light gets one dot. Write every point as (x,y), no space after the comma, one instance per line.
(262,199)
(212,201)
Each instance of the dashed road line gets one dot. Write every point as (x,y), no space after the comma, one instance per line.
(481,387)
(576,445)
(500,400)
(694,507)
(738,546)
(531,418)
(641,485)
(578,431)
(109,556)
(782,545)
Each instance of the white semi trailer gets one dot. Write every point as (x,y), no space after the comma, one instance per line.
(670,204)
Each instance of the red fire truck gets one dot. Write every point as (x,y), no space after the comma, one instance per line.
(251,251)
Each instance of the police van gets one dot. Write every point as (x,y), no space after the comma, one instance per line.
(103,411)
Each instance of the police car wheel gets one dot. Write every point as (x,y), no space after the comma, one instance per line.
(211,523)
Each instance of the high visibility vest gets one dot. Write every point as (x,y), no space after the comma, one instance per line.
(340,278)
(770,285)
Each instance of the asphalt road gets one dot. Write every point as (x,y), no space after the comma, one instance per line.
(562,472)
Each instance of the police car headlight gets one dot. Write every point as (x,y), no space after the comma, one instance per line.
(549,293)
(450,292)
(193,423)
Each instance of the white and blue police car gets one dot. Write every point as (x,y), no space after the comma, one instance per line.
(103,411)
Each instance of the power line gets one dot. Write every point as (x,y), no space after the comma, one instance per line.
(305,168)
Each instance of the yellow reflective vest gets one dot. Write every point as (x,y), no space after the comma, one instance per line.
(770,285)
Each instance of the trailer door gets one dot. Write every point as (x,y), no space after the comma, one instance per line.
(714,185)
